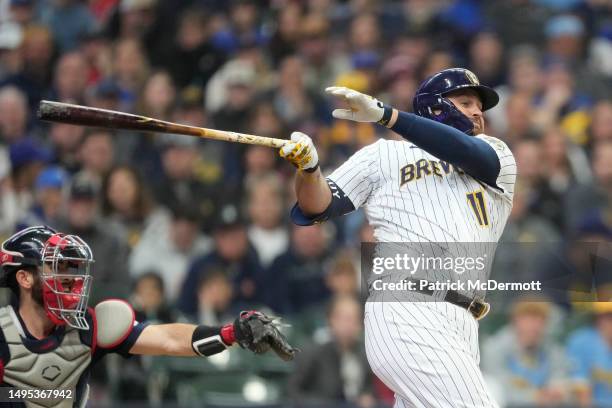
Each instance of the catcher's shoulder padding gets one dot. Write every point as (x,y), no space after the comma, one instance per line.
(114,321)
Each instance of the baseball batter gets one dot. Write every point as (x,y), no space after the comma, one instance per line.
(49,338)
(447,183)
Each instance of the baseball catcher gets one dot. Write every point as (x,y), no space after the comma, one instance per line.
(49,337)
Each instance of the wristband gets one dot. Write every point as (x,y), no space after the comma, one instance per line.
(207,341)
(389,117)
(386,117)
(312,169)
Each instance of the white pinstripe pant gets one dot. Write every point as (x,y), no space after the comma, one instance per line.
(427,353)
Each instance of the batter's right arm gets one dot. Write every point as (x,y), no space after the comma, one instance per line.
(312,192)
(311,189)
(343,191)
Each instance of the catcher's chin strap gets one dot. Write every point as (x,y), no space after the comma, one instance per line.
(207,341)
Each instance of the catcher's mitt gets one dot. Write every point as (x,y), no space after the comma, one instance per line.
(258,333)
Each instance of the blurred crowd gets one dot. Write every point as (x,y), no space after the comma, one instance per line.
(197,230)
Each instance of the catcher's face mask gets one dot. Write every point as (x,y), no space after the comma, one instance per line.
(66,279)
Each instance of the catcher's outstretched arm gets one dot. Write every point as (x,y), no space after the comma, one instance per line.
(175,339)
(251,330)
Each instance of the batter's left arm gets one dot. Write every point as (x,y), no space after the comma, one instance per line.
(473,155)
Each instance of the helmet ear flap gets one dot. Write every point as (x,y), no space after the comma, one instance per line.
(455,118)
(426,104)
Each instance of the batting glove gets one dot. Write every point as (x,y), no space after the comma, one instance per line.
(362,108)
(301,152)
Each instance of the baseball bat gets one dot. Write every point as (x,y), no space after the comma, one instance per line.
(51,111)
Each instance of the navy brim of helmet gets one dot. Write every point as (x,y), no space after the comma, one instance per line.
(488,96)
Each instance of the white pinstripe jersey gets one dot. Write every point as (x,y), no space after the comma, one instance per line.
(411,196)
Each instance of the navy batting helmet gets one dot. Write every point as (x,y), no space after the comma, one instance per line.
(431,96)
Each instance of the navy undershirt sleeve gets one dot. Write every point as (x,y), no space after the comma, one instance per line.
(340,205)
(474,156)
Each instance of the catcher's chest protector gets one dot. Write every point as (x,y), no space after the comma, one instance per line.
(59,369)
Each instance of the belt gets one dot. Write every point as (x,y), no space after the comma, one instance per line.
(477,308)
